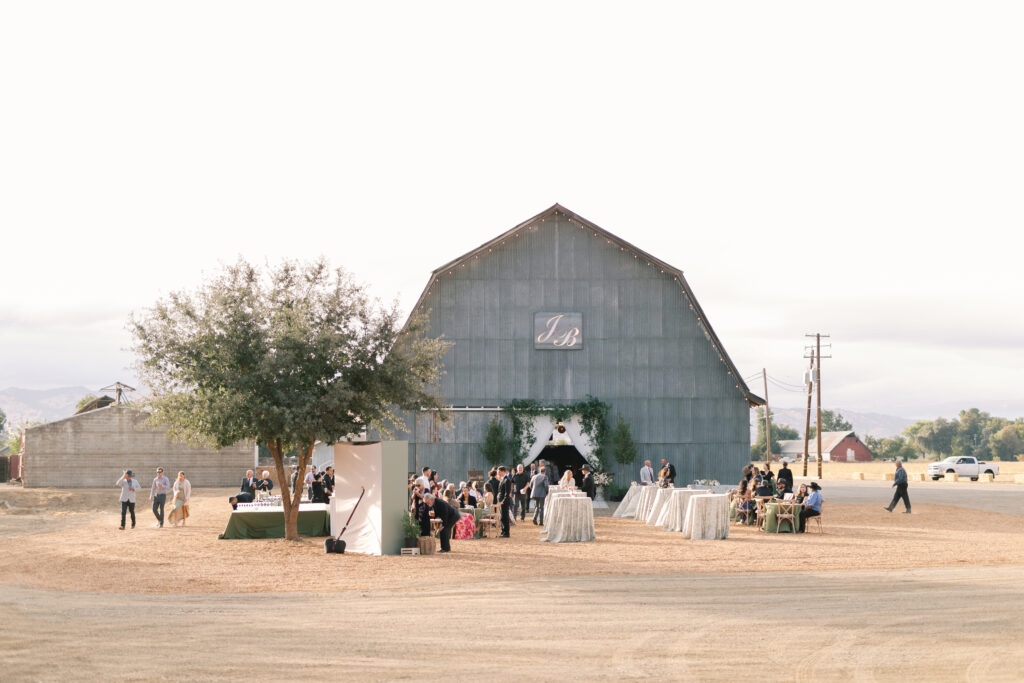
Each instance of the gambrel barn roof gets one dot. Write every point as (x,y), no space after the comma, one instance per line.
(598,232)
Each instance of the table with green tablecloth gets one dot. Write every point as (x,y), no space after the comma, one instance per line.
(268,522)
(772,509)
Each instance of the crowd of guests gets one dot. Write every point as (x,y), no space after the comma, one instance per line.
(761,484)
(507,491)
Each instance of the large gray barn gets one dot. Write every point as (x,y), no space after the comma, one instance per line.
(557,309)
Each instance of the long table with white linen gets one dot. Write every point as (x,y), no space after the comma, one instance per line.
(707,517)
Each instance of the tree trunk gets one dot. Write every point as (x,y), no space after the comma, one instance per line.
(290,499)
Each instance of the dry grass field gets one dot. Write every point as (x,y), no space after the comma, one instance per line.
(864,601)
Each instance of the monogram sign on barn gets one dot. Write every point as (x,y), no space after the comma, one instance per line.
(562,331)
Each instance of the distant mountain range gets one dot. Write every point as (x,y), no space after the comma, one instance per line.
(41,405)
(865,424)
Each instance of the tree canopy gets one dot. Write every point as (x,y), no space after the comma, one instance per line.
(831,421)
(286,357)
(780,432)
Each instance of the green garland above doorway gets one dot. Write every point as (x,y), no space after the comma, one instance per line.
(593,415)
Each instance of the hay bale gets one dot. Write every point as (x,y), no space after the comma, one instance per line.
(1018,479)
(985,478)
(919,476)
(889,476)
(951,476)
(858,475)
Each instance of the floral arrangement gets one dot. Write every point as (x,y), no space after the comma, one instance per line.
(706,482)
(603,478)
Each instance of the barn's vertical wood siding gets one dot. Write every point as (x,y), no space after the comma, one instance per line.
(644,352)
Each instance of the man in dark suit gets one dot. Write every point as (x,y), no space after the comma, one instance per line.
(522,500)
(448,515)
(505,500)
(671,478)
(588,487)
(784,479)
(492,484)
(249,484)
(329,482)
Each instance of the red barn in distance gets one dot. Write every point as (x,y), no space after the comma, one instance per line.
(835,447)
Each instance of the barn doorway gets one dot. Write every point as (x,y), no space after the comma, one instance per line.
(563,458)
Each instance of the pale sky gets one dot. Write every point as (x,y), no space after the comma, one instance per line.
(854,169)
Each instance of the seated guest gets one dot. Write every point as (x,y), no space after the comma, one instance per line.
(812,506)
(265,484)
(243,497)
(764,489)
(743,505)
(234,502)
(474,490)
(801,494)
(464,499)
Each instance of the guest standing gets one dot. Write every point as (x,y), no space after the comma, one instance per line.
(900,482)
(182,495)
(249,483)
(521,500)
(588,487)
(128,486)
(785,479)
(265,483)
(448,515)
(328,482)
(812,506)
(158,494)
(505,500)
(538,492)
(646,473)
(670,471)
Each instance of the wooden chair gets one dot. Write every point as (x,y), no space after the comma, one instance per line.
(817,519)
(762,514)
(490,521)
(781,517)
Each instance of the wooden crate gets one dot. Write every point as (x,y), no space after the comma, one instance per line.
(426,545)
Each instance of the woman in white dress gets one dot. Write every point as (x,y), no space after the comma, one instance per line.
(182,495)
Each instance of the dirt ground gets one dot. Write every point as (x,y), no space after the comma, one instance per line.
(876,597)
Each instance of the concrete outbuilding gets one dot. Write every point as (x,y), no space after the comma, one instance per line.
(92,450)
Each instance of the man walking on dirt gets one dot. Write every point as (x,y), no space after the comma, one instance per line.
(128,488)
(900,482)
(158,494)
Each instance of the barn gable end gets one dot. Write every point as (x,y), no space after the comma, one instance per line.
(646,347)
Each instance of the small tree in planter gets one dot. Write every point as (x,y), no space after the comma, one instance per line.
(621,442)
(495,446)
(411,529)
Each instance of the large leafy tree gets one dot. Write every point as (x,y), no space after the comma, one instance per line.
(285,357)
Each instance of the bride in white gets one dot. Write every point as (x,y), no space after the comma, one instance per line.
(567,479)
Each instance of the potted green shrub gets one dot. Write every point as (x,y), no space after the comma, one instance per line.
(411,528)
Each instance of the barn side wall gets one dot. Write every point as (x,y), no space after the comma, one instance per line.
(93,449)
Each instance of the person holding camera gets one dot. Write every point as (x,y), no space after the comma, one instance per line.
(129,485)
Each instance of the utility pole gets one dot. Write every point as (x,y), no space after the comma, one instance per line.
(816,376)
(767,420)
(807,422)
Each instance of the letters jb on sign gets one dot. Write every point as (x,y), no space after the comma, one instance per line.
(562,331)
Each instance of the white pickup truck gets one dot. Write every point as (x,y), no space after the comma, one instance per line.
(964,466)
